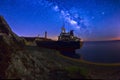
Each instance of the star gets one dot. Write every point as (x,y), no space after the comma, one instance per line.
(102,13)
(92,17)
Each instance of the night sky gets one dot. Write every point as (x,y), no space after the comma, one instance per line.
(90,19)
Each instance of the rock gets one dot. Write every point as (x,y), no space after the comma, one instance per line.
(9,44)
(4,27)
(7,32)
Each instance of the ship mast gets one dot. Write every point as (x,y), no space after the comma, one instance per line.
(63,29)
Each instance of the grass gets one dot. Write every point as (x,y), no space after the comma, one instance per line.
(80,71)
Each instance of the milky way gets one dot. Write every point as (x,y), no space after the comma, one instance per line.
(69,16)
(91,19)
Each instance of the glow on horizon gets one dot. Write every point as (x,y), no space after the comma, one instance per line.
(118,38)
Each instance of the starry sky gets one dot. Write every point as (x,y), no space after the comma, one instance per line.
(90,19)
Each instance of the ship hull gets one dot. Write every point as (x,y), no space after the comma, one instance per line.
(60,45)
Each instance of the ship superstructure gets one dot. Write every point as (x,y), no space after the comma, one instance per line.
(67,36)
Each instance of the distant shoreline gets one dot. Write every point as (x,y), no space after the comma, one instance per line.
(103,41)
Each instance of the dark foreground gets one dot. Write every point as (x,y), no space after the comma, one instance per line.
(39,63)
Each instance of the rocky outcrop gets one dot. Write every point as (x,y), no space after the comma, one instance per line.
(4,27)
(9,44)
(7,33)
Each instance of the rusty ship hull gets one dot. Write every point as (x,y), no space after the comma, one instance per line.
(60,45)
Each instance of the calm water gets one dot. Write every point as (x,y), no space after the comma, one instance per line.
(102,52)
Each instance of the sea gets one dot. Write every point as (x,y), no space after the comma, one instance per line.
(100,51)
